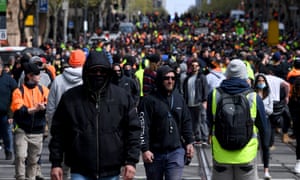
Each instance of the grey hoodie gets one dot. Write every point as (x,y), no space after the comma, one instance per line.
(71,77)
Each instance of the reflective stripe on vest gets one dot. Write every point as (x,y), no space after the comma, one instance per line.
(244,155)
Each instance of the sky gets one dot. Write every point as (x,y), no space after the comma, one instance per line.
(179,6)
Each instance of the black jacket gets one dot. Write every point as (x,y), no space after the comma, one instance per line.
(201,92)
(7,86)
(96,138)
(154,114)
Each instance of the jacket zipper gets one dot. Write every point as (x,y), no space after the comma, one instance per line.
(97,131)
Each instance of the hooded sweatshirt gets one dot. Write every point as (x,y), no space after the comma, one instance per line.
(158,113)
(95,132)
(71,77)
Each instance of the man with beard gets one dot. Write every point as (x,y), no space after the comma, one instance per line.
(167,135)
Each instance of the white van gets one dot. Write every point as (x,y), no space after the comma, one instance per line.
(7,51)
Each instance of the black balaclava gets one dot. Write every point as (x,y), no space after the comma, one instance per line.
(94,82)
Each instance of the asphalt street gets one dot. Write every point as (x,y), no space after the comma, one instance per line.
(282,162)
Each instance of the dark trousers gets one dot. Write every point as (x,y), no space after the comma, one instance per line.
(168,166)
(199,123)
(6,133)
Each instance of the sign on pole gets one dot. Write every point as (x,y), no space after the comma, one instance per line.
(3,34)
(29,21)
(43,6)
(273,33)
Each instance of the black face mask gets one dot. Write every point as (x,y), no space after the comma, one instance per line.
(30,84)
(127,73)
(97,82)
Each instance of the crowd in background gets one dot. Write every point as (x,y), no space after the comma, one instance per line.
(209,42)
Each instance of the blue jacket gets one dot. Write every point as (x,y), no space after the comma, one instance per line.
(235,86)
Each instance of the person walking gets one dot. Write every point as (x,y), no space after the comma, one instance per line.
(262,89)
(95,128)
(71,77)
(128,83)
(150,74)
(167,135)
(195,91)
(29,106)
(235,146)
(7,86)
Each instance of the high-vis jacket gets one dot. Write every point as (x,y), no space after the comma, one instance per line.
(24,98)
(262,126)
(247,153)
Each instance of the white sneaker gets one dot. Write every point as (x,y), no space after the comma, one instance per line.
(267,175)
(297,167)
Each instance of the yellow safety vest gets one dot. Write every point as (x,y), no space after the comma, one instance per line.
(247,153)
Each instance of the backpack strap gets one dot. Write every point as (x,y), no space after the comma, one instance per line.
(250,94)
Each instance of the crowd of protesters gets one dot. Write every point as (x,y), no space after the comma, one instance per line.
(191,45)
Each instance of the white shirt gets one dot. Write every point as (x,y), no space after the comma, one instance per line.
(274,84)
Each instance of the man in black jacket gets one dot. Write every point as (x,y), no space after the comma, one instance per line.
(95,127)
(195,91)
(167,129)
(7,86)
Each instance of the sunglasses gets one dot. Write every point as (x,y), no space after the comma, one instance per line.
(98,71)
(168,77)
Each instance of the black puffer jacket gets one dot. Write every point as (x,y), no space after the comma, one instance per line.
(98,134)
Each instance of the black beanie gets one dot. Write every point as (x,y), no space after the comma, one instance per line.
(31,68)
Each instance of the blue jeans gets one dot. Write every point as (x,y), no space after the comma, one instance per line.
(6,133)
(76,176)
(169,165)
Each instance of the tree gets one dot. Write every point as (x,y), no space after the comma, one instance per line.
(222,6)
(55,7)
(24,11)
(143,6)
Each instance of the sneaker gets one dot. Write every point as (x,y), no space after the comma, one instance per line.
(297,167)
(272,148)
(267,175)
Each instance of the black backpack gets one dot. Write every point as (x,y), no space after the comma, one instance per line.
(233,122)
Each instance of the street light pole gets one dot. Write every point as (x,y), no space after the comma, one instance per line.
(35,42)
(85,23)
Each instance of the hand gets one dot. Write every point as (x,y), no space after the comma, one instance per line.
(56,173)
(10,120)
(189,150)
(129,172)
(204,104)
(148,157)
(286,99)
(41,106)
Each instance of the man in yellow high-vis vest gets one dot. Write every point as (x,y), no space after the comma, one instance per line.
(239,163)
